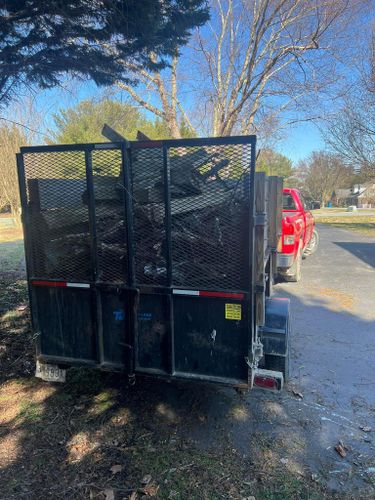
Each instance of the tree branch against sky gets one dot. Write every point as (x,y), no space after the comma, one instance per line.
(351,131)
(42,40)
(255,61)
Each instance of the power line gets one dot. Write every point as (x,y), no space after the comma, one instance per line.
(24,126)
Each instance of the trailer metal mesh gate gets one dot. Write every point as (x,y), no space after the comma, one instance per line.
(189,209)
(151,218)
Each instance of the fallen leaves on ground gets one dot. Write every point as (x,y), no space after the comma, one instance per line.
(150,489)
(297,394)
(116,468)
(365,428)
(109,494)
(146,479)
(340,448)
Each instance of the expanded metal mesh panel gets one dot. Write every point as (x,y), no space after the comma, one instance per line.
(198,218)
(58,215)
(148,216)
(109,212)
(209,214)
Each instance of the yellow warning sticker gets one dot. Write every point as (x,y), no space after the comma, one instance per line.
(233,311)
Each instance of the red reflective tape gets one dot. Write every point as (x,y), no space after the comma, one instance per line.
(49,283)
(224,295)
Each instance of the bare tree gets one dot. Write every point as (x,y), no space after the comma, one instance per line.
(323,173)
(20,126)
(170,108)
(351,132)
(255,60)
(11,138)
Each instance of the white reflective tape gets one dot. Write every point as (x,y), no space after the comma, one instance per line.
(186,292)
(78,285)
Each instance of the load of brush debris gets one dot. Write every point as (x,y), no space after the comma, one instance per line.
(190,208)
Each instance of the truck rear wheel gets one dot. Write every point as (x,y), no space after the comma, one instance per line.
(313,244)
(295,272)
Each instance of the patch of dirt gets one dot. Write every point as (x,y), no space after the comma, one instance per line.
(338,300)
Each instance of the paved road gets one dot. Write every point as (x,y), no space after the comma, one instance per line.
(333,347)
(333,367)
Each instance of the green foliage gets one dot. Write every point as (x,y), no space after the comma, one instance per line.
(84,123)
(186,131)
(273,163)
(11,139)
(40,41)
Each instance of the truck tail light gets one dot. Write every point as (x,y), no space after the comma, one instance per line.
(289,239)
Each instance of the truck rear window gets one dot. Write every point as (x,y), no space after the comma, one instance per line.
(288,202)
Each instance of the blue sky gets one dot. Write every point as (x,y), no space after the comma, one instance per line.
(297,143)
(300,141)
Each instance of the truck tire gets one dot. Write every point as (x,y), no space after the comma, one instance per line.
(313,244)
(295,272)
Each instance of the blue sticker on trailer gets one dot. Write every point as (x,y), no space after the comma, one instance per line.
(145,316)
(119,315)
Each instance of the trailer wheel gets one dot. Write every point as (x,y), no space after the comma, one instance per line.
(313,244)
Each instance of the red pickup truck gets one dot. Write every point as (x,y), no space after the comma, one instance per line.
(299,236)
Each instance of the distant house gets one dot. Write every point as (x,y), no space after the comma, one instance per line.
(342,197)
(366,198)
(359,195)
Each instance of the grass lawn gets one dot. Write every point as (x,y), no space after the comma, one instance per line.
(11,251)
(364,225)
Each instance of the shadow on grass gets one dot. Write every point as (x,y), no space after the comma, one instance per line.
(196,441)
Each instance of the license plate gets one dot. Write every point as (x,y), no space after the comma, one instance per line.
(49,373)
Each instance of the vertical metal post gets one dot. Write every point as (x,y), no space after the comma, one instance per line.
(126,166)
(168,223)
(92,216)
(95,293)
(252,329)
(27,241)
(132,334)
(168,254)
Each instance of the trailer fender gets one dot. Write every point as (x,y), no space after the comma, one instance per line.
(275,335)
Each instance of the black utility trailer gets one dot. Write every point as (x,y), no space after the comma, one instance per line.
(155,258)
